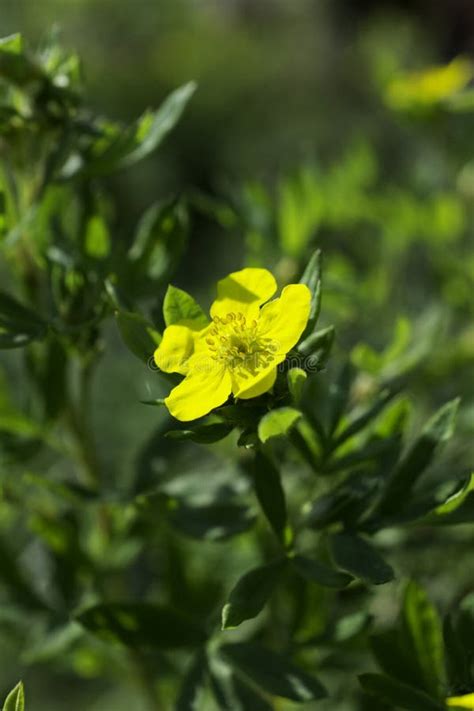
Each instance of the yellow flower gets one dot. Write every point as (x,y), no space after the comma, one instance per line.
(430,86)
(239,350)
(462,702)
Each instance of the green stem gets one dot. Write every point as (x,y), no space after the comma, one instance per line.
(78,426)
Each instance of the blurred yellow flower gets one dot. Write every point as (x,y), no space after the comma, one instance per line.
(239,350)
(429,86)
(462,702)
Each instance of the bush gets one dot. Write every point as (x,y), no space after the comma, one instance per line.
(300,531)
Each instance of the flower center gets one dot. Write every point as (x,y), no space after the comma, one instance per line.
(237,343)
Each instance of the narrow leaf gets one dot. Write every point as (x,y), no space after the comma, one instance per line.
(138,334)
(296,380)
(249,596)
(141,625)
(270,494)
(360,558)
(179,307)
(312,278)
(203,434)
(438,430)
(277,423)
(365,417)
(161,123)
(317,348)
(423,629)
(400,695)
(15,700)
(212,522)
(458,507)
(272,672)
(316,572)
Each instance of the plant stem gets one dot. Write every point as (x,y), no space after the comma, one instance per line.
(78,426)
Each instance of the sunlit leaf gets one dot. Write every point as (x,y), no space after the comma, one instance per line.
(277,423)
(179,307)
(423,629)
(15,700)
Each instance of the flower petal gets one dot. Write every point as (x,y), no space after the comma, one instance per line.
(253,386)
(462,702)
(284,320)
(244,291)
(206,386)
(175,349)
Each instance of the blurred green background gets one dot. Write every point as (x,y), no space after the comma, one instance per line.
(290,142)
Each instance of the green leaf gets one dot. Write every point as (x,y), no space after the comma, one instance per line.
(248,598)
(203,434)
(15,700)
(394,657)
(360,558)
(15,66)
(119,147)
(299,211)
(179,307)
(316,572)
(277,423)
(312,278)
(141,625)
(212,522)
(154,126)
(159,241)
(400,695)
(97,238)
(296,380)
(358,423)
(317,348)
(423,629)
(12,43)
(271,495)
(338,396)
(138,334)
(438,430)
(458,634)
(458,507)
(345,502)
(274,673)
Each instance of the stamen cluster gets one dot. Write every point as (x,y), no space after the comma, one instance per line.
(236,343)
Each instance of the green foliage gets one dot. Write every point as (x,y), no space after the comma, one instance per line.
(355,555)
(15,700)
(423,667)
(251,593)
(133,546)
(141,625)
(273,673)
(180,307)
